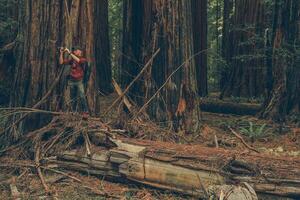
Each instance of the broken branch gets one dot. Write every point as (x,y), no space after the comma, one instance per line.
(243,141)
(133,81)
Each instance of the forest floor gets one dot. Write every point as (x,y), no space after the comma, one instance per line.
(264,136)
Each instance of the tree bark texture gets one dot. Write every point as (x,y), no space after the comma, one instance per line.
(165,25)
(243,49)
(47,25)
(199,14)
(102,46)
(284,98)
(189,169)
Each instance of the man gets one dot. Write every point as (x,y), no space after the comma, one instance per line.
(75,81)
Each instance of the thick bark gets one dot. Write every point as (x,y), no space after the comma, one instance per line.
(199,14)
(188,169)
(131,49)
(9,30)
(284,98)
(182,168)
(152,25)
(45,26)
(245,57)
(7,63)
(102,46)
(226,44)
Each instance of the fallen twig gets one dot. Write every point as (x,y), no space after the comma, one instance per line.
(242,140)
(29,165)
(132,82)
(167,80)
(216,141)
(95,190)
(39,171)
(14,192)
(126,101)
(87,142)
(8,47)
(40,102)
(202,187)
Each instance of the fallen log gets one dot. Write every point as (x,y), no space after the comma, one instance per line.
(218,106)
(189,169)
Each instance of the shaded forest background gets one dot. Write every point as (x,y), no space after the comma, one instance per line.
(200,85)
(241,50)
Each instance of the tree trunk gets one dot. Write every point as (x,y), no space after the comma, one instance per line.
(189,169)
(284,98)
(245,60)
(199,13)
(45,26)
(152,25)
(226,44)
(102,46)
(9,29)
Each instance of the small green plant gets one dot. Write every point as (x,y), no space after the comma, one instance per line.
(129,195)
(254,131)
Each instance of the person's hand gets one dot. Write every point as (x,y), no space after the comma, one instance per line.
(61,50)
(67,50)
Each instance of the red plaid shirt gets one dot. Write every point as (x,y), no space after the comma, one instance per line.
(77,68)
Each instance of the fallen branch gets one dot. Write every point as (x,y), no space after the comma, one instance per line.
(166,81)
(132,82)
(171,166)
(39,171)
(39,103)
(8,47)
(95,190)
(26,164)
(160,164)
(243,141)
(128,104)
(87,142)
(14,192)
(125,99)
(216,141)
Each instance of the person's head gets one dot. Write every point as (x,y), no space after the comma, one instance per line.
(77,51)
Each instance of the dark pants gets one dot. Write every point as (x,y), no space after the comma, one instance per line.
(77,93)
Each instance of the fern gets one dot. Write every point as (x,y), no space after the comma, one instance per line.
(254,131)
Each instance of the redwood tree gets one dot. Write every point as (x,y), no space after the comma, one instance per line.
(8,31)
(199,13)
(226,44)
(102,47)
(43,27)
(284,98)
(166,25)
(243,49)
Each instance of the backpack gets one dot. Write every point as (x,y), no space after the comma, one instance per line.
(87,69)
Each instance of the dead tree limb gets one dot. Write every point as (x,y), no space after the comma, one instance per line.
(132,82)
(8,47)
(40,102)
(243,141)
(177,167)
(38,168)
(166,81)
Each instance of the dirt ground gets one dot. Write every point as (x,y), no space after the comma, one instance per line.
(91,187)
(264,136)
(277,139)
